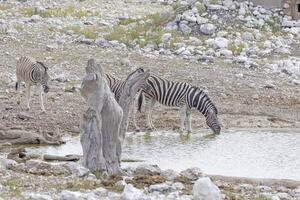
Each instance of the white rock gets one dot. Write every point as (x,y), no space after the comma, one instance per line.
(247,186)
(177,186)
(180,50)
(76,169)
(169,174)
(283,196)
(163,187)
(248,36)
(69,195)
(185,29)
(6,163)
(208,29)
(101,192)
(218,43)
(205,189)
(51,47)
(120,184)
(201,20)
(166,37)
(225,52)
(296,193)
(131,193)
(192,173)
(36,196)
(268,44)
(229,4)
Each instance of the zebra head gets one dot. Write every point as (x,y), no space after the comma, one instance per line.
(213,122)
(198,99)
(44,79)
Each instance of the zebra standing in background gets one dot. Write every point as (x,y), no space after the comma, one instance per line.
(178,94)
(32,72)
(117,85)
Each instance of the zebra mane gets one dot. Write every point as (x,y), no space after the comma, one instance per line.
(43,65)
(139,69)
(214,108)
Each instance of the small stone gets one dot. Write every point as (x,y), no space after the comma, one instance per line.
(192,173)
(36,196)
(131,193)
(160,188)
(185,29)
(248,36)
(51,47)
(178,186)
(69,195)
(169,174)
(120,184)
(269,85)
(146,169)
(208,29)
(25,116)
(76,169)
(166,37)
(283,196)
(205,189)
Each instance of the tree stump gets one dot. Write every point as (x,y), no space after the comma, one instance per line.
(105,122)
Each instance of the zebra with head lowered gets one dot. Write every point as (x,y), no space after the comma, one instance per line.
(32,72)
(178,94)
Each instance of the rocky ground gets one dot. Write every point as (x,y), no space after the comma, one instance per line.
(245,56)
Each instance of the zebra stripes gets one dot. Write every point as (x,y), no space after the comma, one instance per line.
(117,85)
(178,94)
(32,72)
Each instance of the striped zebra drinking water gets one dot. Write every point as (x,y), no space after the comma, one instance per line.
(178,94)
(32,72)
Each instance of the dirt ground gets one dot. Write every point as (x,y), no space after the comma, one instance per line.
(243,101)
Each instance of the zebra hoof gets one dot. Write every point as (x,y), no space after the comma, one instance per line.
(137,130)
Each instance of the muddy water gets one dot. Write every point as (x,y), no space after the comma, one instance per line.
(244,153)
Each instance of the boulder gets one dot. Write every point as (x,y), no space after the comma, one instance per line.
(205,189)
(131,193)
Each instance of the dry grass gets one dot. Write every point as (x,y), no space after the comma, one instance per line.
(145,31)
(59,12)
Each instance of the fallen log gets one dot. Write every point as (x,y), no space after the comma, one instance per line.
(48,157)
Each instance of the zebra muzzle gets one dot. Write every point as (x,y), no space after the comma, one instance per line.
(46,88)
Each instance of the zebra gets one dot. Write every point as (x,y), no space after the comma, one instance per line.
(178,94)
(32,72)
(117,85)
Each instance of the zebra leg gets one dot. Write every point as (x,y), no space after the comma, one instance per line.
(28,95)
(18,90)
(149,105)
(133,111)
(182,113)
(188,120)
(42,98)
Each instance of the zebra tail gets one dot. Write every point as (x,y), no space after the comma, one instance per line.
(17,86)
(140,102)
